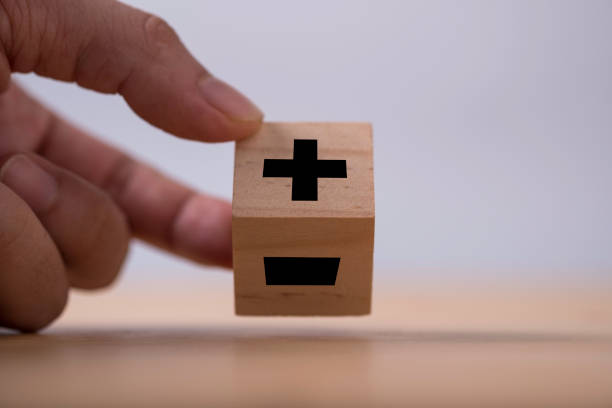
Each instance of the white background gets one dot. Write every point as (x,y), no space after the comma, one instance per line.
(492,121)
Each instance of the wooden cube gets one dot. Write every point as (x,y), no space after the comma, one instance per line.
(303,220)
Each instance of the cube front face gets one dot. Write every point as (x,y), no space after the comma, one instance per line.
(303,220)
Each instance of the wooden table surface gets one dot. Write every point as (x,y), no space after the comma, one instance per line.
(435,344)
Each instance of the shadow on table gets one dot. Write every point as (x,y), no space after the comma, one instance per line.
(185,336)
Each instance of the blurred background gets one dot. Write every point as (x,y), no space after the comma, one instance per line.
(492,124)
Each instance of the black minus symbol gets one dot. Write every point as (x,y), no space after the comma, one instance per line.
(301,271)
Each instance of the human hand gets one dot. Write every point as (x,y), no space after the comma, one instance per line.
(70,203)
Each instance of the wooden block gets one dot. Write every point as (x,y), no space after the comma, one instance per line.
(303,220)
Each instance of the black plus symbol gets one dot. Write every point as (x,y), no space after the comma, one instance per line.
(305,170)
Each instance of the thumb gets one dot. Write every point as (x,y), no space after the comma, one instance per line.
(110,47)
(33,283)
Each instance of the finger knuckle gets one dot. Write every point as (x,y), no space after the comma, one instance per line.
(159,35)
(12,13)
(27,29)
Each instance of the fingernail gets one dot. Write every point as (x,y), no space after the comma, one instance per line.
(229,101)
(30,182)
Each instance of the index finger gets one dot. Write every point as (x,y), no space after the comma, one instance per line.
(110,47)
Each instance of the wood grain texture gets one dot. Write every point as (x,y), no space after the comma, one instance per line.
(257,196)
(340,223)
(433,345)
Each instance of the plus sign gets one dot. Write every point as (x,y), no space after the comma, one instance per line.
(305,170)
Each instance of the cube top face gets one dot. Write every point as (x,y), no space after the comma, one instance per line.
(305,170)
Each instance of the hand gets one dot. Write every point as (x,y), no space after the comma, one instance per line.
(68,202)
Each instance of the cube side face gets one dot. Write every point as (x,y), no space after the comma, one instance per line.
(350,239)
(258,196)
